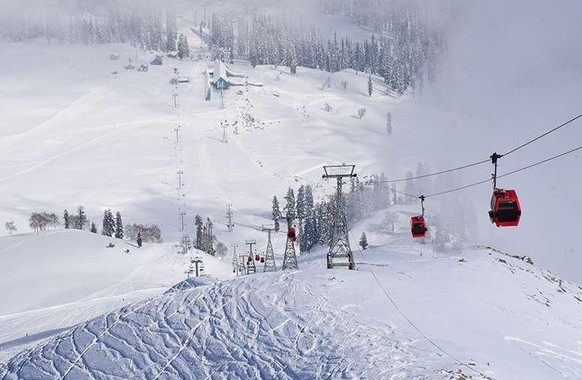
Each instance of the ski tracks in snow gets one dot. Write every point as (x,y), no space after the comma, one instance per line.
(253,327)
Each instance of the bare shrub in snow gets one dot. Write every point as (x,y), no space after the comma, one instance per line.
(10,227)
(149,233)
(327,107)
(40,221)
(361,112)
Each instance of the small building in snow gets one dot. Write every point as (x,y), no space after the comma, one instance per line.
(159,60)
(221,76)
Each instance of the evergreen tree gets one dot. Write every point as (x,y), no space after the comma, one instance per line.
(276,213)
(363,241)
(108,227)
(290,206)
(199,232)
(183,49)
(309,236)
(93,228)
(389,123)
(66,219)
(171,31)
(118,226)
(139,240)
(81,220)
(370,86)
(301,207)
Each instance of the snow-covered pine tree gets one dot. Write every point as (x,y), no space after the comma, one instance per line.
(118,226)
(171,31)
(66,220)
(108,227)
(301,210)
(363,241)
(183,49)
(93,228)
(389,123)
(290,206)
(199,234)
(370,85)
(276,213)
(81,220)
(309,233)
(139,240)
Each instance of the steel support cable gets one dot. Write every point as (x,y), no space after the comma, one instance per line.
(499,176)
(436,173)
(483,161)
(543,135)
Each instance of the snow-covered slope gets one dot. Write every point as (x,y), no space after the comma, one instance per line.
(405,313)
(58,279)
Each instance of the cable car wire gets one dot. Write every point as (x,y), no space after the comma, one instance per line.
(436,173)
(540,162)
(499,176)
(543,134)
(483,161)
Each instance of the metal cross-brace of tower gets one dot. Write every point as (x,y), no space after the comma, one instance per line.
(270,265)
(340,253)
(251,267)
(290,258)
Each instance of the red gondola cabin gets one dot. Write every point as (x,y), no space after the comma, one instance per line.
(291,234)
(257,257)
(418,226)
(505,208)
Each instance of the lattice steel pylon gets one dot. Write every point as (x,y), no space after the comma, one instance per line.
(290,258)
(340,253)
(270,264)
(251,267)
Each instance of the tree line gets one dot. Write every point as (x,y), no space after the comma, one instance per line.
(147,25)
(112,226)
(405,54)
